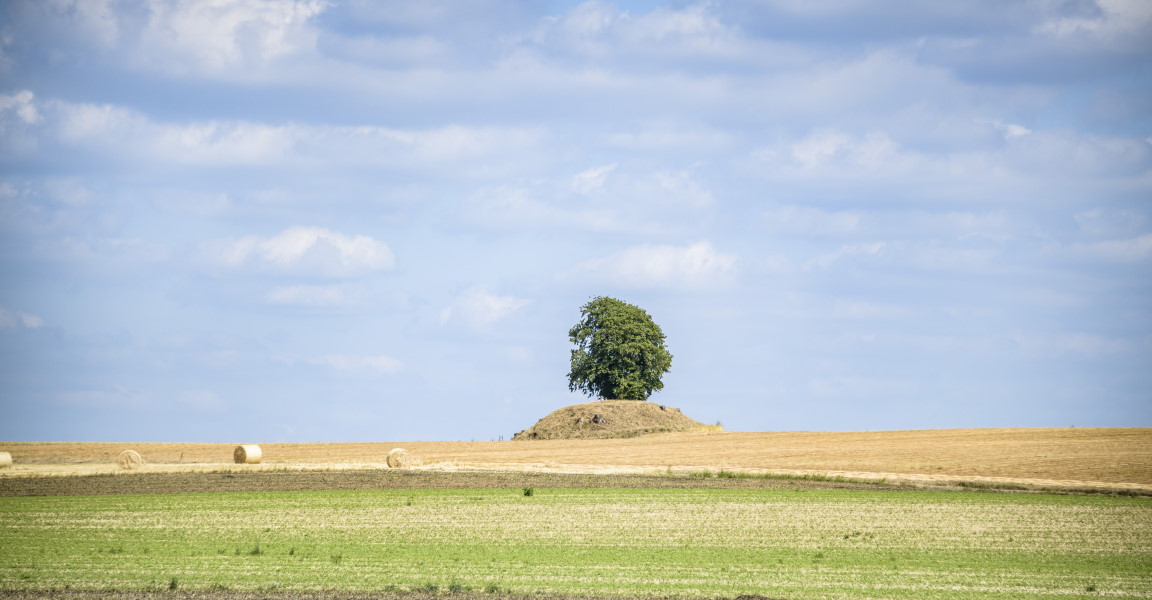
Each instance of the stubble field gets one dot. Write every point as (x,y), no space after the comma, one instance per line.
(1051,457)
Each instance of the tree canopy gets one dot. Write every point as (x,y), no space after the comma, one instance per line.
(619,353)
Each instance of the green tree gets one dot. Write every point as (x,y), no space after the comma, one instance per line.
(619,353)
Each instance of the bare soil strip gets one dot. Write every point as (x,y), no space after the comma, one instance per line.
(282,481)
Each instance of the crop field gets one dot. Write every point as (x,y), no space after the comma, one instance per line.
(779,543)
(1054,457)
(787,515)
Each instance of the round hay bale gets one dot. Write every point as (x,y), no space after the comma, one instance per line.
(5,460)
(247,454)
(399,458)
(129,459)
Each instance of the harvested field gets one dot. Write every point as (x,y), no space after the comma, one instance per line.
(1052,457)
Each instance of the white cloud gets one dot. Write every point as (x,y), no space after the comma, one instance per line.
(217,37)
(791,220)
(96,20)
(478,306)
(919,254)
(1137,249)
(518,207)
(846,252)
(601,30)
(309,295)
(1111,223)
(115,132)
(602,199)
(1011,130)
(373,364)
(675,188)
(801,220)
(1066,155)
(592,180)
(22,104)
(10,319)
(649,265)
(1006,162)
(856,387)
(192,202)
(205,400)
(305,249)
(112,396)
(1088,345)
(666,137)
(825,147)
(1115,17)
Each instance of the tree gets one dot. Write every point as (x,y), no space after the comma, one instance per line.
(619,353)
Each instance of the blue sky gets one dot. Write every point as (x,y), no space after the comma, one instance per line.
(306,221)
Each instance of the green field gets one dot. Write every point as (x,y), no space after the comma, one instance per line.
(685,542)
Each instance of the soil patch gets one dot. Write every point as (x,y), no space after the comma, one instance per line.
(183,483)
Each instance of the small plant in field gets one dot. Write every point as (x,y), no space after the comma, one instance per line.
(529,491)
(455,588)
(173,583)
(336,558)
(491,588)
(1090,588)
(431,588)
(255,551)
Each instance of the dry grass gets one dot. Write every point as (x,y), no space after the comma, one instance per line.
(247,454)
(129,460)
(399,458)
(1043,456)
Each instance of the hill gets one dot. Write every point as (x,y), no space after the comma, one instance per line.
(611,419)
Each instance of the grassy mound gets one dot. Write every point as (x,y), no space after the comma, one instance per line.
(611,419)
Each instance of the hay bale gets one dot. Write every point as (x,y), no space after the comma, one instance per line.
(129,459)
(247,454)
(5,460)
(399,458)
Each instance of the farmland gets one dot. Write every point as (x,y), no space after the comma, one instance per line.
(1048,457)
(781,515)
(718,542)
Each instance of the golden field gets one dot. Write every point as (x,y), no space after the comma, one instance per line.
(1102,457)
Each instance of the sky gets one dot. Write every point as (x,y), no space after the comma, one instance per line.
(372,220)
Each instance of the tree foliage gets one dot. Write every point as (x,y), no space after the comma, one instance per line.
(619,353)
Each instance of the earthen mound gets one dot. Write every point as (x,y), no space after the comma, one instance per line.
(611,419)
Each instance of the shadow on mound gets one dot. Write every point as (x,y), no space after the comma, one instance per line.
(611,419)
